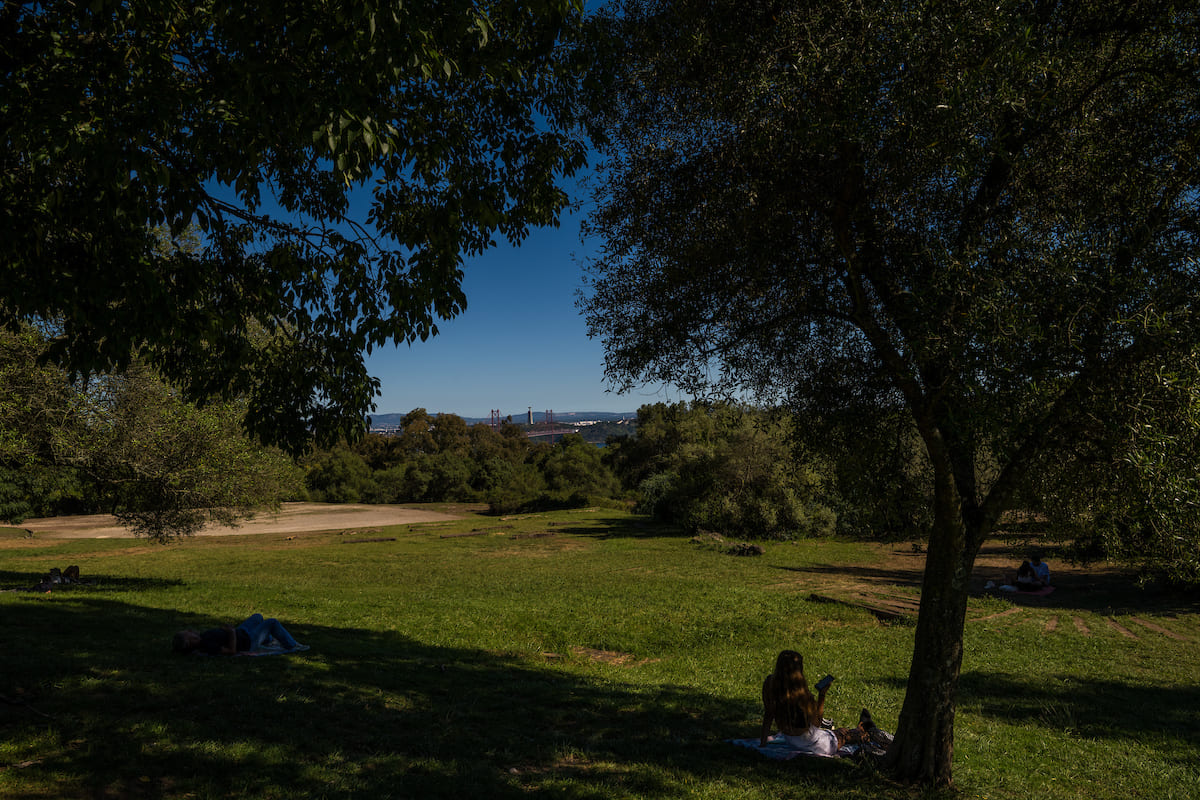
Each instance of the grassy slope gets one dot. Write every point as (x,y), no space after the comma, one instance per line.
(575,655)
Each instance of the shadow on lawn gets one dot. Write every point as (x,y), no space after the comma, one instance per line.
(884,576)
(91,582)
(1102,590)
(623,527)
(1092,708)
(104,709)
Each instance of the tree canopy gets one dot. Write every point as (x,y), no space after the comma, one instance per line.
(126,444)
(985,214)
(260,122)
(722,468)
(439,458)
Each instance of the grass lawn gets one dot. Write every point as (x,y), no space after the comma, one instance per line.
(564,655)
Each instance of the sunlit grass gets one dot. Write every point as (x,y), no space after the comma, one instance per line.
(568,655)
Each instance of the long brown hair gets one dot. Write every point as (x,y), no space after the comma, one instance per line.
(795,706)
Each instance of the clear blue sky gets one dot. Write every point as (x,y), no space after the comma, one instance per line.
(520,343)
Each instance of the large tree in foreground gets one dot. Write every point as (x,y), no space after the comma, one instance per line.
(985,213)
(255,121)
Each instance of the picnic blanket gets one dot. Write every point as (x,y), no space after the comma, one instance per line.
(778,749)
(273,650)
(1042,592)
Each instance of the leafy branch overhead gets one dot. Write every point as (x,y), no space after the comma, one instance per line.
(266,124)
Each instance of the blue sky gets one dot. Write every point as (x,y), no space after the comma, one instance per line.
(520,343)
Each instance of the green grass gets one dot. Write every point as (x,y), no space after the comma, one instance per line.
(563,655)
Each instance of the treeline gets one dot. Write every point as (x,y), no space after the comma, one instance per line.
(440,458)
(129,444)
(735,470)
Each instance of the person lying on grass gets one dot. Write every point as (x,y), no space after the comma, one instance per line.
(788,703)
(227,641)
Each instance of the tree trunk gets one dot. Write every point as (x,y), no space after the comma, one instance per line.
(924,745)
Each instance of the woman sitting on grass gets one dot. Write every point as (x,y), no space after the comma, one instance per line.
(227,641)
(788,703)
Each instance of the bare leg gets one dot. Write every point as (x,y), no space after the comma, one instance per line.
(857,735)
(847,736)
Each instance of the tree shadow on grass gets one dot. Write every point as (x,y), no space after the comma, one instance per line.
(623,528)
(102,708)
(1086,707)
(883,576)
(18,582)
(92,582)
(1104,591)
(1109,598)
(1091,708)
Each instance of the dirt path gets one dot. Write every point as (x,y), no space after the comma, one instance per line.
(292,518)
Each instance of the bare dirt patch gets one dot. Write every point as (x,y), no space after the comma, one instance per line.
(291,518)
(596,655)
(602,656)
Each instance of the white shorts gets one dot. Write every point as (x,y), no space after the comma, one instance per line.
(814,741)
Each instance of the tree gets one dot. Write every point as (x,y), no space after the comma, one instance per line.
(379,452)
(574,466)
(451,435)
(255,121)
(658,435)
(168,467)
(338,476)
(1130,493)
(128,444)
(723,468)
(432,459)
(415,437)
(983,213)
(36,405)
(878,480)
